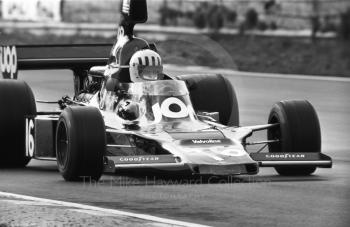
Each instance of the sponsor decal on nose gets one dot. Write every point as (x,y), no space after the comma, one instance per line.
(206,141)
(220,142)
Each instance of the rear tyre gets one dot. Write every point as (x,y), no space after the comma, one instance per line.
(16,102)
(299,132)
(213,93)
(80,143)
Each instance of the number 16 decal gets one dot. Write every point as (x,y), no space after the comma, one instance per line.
(29,137)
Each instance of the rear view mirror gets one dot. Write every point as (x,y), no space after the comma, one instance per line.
(134,11)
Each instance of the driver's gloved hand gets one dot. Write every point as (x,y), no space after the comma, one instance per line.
(112,84)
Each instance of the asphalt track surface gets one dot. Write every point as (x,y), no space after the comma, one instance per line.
(263,200)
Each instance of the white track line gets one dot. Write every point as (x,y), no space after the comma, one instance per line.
(203,69)
(93,208)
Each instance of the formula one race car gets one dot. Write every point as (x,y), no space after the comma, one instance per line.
(188,122)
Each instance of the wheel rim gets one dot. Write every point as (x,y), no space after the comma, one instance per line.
(62,145)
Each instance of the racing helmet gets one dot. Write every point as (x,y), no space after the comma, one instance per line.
(128,110)
(145,65)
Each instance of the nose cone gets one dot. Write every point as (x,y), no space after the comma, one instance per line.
(215,157)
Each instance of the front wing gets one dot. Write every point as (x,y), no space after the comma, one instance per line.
(292,159)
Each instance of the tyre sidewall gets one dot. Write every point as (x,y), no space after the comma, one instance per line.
(17,101)
(70,167)
(299,133)
(86,143)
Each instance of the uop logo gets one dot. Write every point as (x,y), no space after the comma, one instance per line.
(8,62)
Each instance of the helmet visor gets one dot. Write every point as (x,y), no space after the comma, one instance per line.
(154,72)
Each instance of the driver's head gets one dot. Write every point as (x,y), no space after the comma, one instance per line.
(146,65)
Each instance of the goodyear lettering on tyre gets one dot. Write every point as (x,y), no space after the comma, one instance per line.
(8,62)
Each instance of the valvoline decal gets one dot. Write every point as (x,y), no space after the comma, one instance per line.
(8,62)
(192,142)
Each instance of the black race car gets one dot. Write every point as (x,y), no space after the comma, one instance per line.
(188,122)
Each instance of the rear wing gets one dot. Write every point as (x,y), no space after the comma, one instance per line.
(66,56)
(77,56)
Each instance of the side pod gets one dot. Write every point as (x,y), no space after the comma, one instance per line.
(40,136)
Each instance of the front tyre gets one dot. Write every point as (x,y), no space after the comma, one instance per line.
(299,132)
(80,143)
